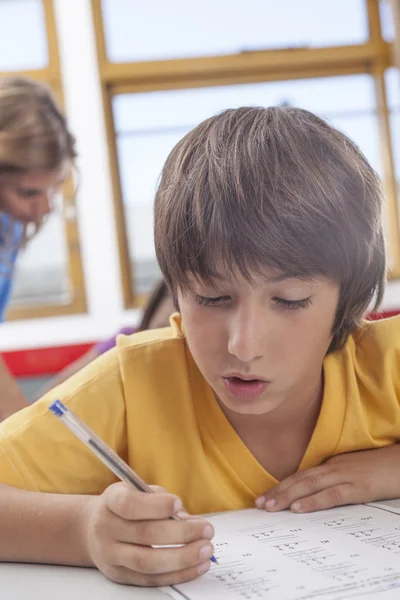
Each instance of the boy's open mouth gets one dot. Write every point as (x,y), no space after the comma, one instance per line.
(246,387)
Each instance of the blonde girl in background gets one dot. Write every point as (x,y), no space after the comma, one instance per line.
(36,153)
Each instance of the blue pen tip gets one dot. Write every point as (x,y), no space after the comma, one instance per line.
(57,408)
(214,560)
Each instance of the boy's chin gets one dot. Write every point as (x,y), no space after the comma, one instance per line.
(244,406)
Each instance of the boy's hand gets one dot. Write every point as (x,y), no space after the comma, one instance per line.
(352,478)
(121,526)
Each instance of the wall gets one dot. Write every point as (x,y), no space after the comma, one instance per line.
(95,207)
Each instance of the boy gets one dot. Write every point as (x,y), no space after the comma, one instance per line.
(268,232)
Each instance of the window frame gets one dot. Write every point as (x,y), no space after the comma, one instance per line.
(372,57)
(51,75)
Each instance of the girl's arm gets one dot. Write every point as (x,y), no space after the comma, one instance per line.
(11,397)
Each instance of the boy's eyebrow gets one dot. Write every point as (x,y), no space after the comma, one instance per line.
(286,276)
(268,279)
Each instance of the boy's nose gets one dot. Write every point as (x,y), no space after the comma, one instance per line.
(246,339)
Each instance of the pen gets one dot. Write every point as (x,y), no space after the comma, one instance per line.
(102,451)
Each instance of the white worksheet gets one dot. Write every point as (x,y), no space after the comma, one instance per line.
(349,552)
(391,505)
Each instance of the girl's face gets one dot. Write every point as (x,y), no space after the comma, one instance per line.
(28,196)
(260,346)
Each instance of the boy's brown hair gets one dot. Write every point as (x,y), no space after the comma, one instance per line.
(279,188)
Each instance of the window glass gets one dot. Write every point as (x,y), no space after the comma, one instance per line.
(148,125)
(159,30)
(23,38)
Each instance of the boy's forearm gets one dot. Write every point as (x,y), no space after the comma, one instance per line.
(42,528)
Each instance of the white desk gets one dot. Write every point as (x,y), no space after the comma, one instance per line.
(43,582)
(46,582)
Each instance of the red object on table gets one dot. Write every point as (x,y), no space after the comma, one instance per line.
(43,361)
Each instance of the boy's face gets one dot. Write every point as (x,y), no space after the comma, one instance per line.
(260,346)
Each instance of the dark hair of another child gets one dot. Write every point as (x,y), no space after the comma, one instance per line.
(159,294)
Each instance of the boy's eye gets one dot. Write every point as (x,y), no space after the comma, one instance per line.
(215,301)
(293,304)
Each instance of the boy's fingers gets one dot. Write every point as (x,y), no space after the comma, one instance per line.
(182,514)
(160,533)
(128,577)
(132,505)
(310,483)
(297,478)
(185,516)
(281,487)
(338,495)
(158,561)
(158,489)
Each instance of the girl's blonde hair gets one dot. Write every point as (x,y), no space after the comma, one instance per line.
(33,132)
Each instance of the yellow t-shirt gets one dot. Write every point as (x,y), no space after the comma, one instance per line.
(147,399)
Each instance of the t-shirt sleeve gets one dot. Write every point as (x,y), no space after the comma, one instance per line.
(377,373)
(37,451)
